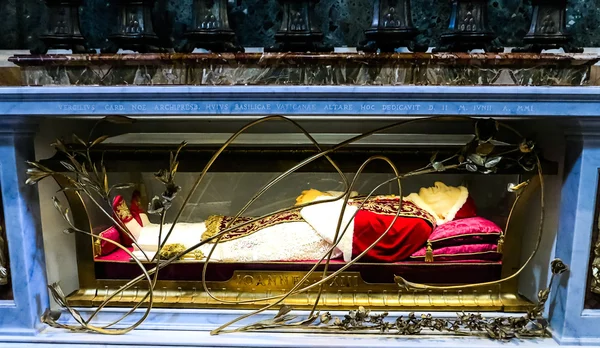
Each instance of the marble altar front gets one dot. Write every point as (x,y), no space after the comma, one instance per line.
(566,118)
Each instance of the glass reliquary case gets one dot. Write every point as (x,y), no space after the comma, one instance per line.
(437,215)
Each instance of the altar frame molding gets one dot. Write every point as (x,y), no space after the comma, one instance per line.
(20,108)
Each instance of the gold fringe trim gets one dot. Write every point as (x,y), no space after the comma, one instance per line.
(171,250)
(97,247)
(212,224)
(500,248)
(429,253)
(123,212)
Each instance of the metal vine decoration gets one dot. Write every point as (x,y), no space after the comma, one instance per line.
(88,178)
(531,324)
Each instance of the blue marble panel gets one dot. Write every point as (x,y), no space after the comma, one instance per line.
(578,206)
(324,101)
(256,21)
(148,339)
(21,316)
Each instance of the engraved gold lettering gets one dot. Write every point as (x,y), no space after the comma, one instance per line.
(264,279)
(260,280)
(248,279)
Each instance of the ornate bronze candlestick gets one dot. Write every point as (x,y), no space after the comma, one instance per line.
(548,28)
(391,27)
(135,31)
(210,27)
(468,28)
(63,28)
(299,31)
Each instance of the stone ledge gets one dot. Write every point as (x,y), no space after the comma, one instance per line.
(262,59)
(307,69)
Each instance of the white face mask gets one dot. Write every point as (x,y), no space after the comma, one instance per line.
(440,198)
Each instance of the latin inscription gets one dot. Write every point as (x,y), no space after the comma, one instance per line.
(296,107)
(76,107)
(338,107)
(300,107)
(525,108)
(217,107)
(482,108)
(401,107)
(176,107)
(252,107)
(288,281)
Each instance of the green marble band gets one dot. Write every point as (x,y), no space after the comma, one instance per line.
(306,69)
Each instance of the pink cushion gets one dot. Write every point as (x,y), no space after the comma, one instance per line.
(107,247)
(475,230)
(118,255)
(462,252)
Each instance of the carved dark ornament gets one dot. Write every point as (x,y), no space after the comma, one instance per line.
(391,27)
(468,28)
(63,30)
(135,29)
(299,31)
(210,28)
(548,28)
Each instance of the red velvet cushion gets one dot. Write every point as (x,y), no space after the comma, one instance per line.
(406,236)
(462,252)
(107,247)
(475,230)
(118,255)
